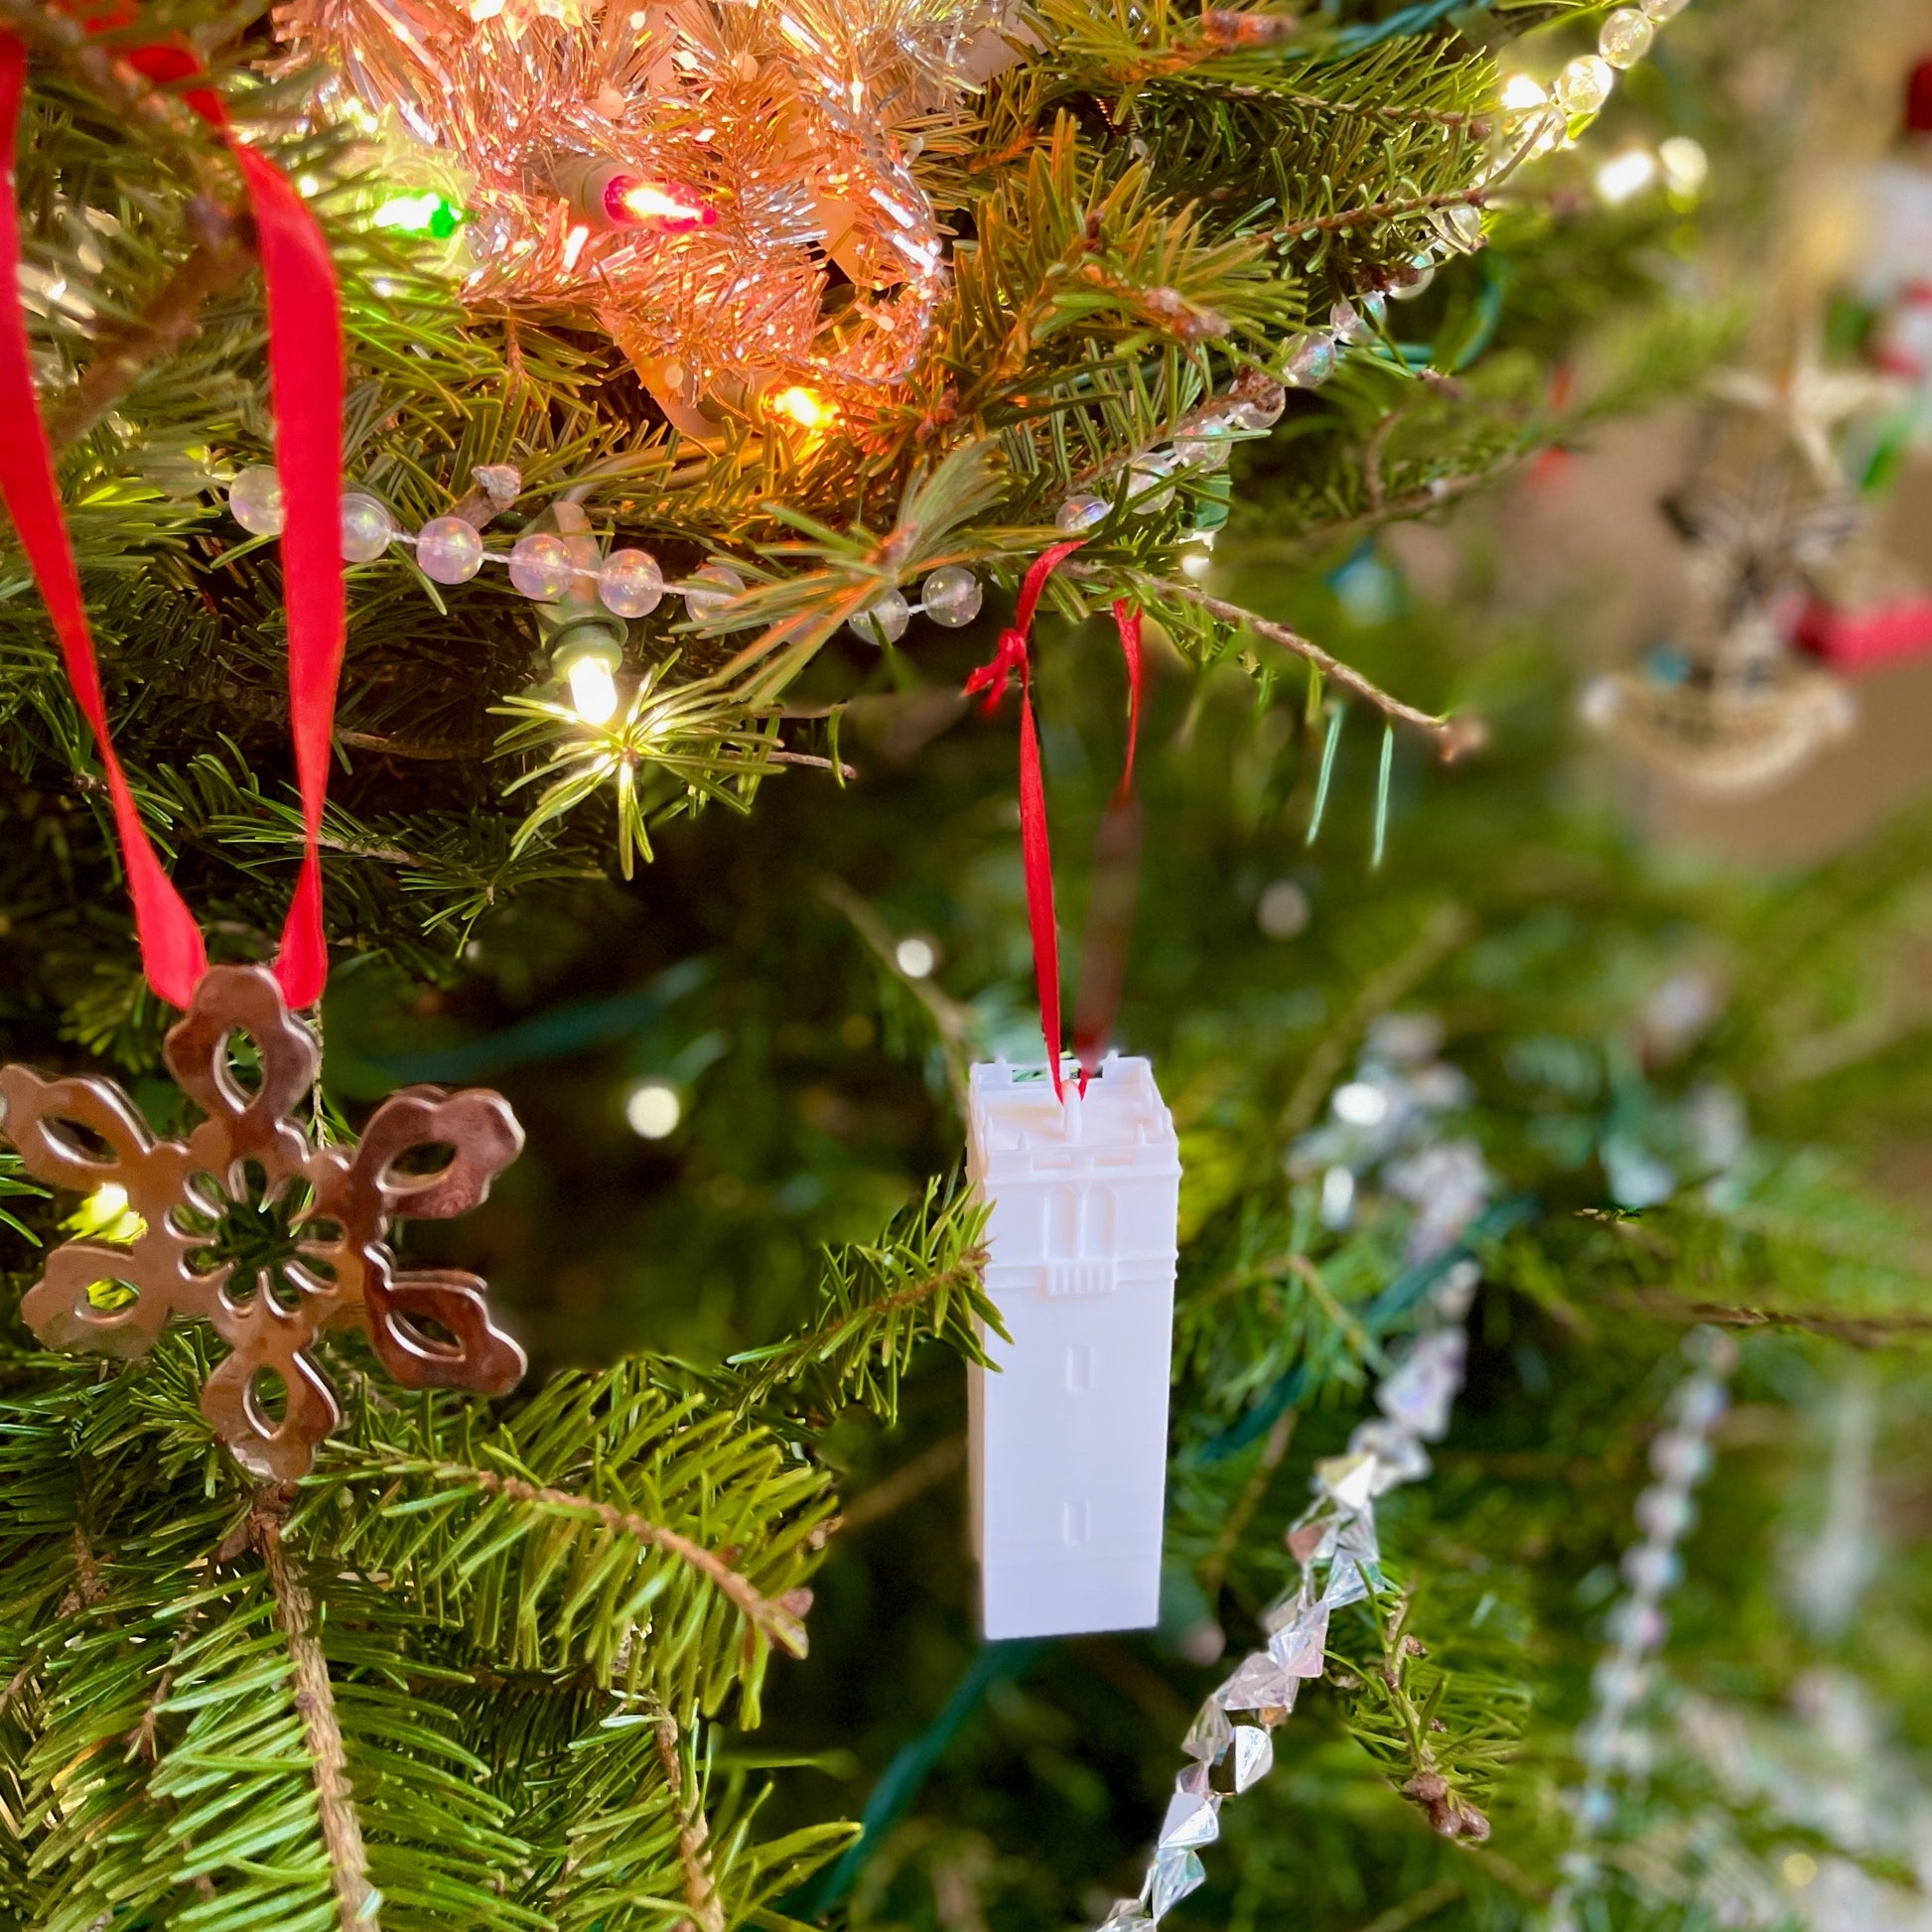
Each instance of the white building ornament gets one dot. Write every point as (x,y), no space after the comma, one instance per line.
(1069,1430)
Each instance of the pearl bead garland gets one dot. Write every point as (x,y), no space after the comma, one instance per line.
(450,549)
(1252,408)
(630,582)
(1626,36)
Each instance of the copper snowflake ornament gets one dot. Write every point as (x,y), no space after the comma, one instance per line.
(251,1226)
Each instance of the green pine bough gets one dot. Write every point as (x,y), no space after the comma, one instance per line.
(556,1662)
(1147,211)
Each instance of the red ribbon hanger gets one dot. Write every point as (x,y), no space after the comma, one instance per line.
(1104,962)
(305,366)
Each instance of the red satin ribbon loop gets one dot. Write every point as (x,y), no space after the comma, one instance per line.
(1010,660)
(304,361)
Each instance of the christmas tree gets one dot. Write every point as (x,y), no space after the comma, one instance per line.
(718,380)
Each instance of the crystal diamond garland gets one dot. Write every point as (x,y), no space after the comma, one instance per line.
(1386,1127)
(1612,1741)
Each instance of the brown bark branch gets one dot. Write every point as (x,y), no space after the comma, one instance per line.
(1215,1566)
(1453,736)
(693,1830)
(845,771)
(315,1699)
(1860,1330)
(773,1619)
(910,1479)
(222,255)
(1447,929)
(403,748)
(1373,211)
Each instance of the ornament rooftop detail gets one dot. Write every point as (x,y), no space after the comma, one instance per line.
(182,1256)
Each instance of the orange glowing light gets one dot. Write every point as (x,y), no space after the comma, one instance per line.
(644,202)
(805,407)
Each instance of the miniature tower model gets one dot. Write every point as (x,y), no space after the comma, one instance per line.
(1069,1434)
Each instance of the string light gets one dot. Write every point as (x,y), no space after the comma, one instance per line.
(1625,175)
(915,957)
(1686,165)
(646,205)
(805,407)
(705,129)
(427,213)
(592,688)
(653,1110)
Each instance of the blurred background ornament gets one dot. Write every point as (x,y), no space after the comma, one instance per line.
(727,188)
(1726,704)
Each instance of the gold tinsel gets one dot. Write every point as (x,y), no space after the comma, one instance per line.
(725,188)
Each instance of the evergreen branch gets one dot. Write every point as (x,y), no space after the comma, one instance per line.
(625,1523)
(1446,927)
(693,1830)
(892,1492)
(399,748)
(165,118)
(778,1621)
(1437,1735)
(1476,121)
(219,259)
(315,1698)
(1211,1572)
(921,1281)
(955,1022)
(1453,736)
(1860,1331)
(1368,214)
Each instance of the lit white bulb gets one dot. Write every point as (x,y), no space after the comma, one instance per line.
(1360,1105)
(653,1110)
(1625,175)
(1686,165)
(593,690)
(1520,94)
(916,958)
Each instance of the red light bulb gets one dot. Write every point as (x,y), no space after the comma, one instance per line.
(631,201)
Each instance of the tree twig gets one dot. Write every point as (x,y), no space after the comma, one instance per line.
(1446,929)
(693,1830)
(910,1479)
(773,1619)
(403,748)
(1860,1331)
(315,1699)
(222,255)
(1370,213)
(953,1021)
(1453,736)
(845,771)
(1213,1568)
(1477,122)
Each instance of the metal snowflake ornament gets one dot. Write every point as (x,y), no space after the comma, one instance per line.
(249,1224)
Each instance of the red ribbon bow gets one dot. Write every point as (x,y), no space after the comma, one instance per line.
(1119,839)
(305,365)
